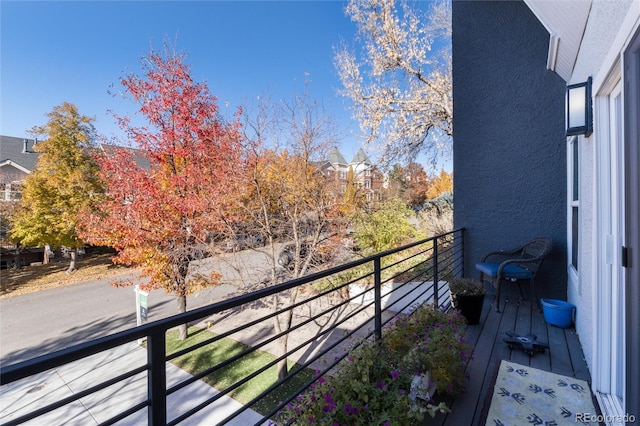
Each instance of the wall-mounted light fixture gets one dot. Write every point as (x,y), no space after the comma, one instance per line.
(579,109)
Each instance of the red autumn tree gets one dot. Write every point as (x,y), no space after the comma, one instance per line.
(166,198)
(417,182)
(408,183)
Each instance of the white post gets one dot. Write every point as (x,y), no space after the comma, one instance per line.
(141,307)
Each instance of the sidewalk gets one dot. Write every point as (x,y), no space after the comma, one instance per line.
(25,396)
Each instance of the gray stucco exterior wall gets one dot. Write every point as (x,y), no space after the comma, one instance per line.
(509,141)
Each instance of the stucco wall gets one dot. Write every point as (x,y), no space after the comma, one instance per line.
(604,19)
(509,142)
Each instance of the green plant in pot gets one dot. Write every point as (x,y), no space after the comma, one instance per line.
(467,296)
(391,381)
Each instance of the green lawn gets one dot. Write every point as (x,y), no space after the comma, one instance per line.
(214,353)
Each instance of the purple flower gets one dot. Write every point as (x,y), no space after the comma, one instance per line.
(394,374)
(330,403)
(350,409)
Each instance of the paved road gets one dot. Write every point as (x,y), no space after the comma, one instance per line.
(42,322)
(37,323)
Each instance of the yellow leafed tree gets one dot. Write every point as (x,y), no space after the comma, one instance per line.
(64,183)
(440,184)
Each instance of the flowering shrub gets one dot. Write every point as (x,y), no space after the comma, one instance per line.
(466,287)
(372,386)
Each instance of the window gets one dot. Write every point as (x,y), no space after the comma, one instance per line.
(10,191)
(367,184)
(574,192)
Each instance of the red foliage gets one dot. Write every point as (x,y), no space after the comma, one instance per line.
(167,197)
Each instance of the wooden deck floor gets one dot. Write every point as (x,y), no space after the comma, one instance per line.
(564,356)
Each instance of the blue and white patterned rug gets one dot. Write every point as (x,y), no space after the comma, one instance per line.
(527,396)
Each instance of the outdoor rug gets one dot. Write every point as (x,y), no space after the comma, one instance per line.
(527,396)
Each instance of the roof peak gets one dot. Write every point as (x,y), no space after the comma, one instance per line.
(335,157)
(361,157)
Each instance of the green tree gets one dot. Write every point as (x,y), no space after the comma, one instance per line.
(395,186)
(436,217)
(385,228)
(64,183)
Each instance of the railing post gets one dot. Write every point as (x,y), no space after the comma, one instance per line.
(436,290)
(157,379)
(377,291)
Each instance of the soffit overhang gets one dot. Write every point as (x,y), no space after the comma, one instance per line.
(565,20)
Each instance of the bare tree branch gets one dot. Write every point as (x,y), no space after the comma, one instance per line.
(401,87)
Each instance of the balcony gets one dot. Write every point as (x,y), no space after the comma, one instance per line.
(113,380)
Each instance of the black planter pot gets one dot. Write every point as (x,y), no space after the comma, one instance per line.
(469,306)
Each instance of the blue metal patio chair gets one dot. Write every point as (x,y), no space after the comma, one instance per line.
(515,265)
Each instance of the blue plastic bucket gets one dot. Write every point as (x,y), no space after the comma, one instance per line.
(558,312)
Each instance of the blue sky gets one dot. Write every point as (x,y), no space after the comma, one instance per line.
(75,51)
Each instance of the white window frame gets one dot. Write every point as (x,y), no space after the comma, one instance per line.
(573,208)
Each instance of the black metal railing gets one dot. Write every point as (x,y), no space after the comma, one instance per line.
(359,298)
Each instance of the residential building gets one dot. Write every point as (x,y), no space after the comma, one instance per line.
(362,173)
(17,158)
(518,175)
